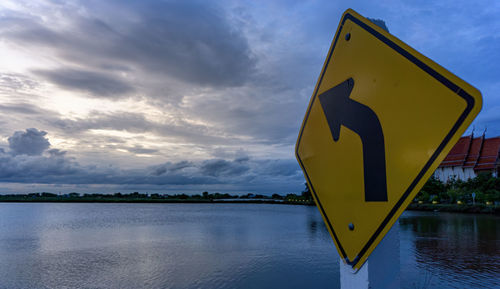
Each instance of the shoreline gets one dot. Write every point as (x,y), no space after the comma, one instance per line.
(452,208)
(455,208)
(158,201)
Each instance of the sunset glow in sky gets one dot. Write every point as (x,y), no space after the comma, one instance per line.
(187,96)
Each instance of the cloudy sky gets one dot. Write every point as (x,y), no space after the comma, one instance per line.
(186,96)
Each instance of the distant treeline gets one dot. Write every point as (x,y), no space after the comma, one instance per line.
(136,197)
(481,192)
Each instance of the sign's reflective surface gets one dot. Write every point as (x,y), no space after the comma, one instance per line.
(381,119)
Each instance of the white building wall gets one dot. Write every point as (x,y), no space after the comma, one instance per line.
(469,173)
(448,174)
(438,173)
(458,173)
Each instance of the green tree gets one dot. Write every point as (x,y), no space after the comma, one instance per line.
(277,197)
(423,196)
(306,193)
(433,186)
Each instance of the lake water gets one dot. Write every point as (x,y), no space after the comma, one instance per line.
(48,245)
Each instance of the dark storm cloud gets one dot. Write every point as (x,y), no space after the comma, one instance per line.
(29,142)
(56,153)
(27,169)
(97,84)
(46,165)
(57,168)
(25,161)
(171,167)
(190,41)
(288,167)
(219,167)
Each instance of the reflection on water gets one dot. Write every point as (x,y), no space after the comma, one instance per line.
(163,246)
(224,246)
(459,250)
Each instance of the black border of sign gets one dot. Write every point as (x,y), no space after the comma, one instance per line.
(446,82)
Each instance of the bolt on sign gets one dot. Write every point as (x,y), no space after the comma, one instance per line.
(381,119)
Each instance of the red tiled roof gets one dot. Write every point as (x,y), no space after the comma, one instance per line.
(458,154)
(478,153)
(489,154)
(474,151)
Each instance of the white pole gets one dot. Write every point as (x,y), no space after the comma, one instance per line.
(381,270)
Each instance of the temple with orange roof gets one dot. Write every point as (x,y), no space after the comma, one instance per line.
(469,157)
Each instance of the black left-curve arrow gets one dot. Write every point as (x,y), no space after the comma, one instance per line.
(340,110)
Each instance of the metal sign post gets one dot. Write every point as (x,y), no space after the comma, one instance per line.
(381,271)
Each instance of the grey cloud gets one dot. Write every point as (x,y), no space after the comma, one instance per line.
(180,165)
(57,168)
(171,167)
(25,162)
(19,92)
(22,108)
(29,165)
(280,167)
(37,169)
(137,123)
(219,167)
(16,82)
(29,29)
(30,142)
(128,121)
(22,113)
(192,42)
(242,159)
(160,171)
(56,153)
(141,150)
(260,120)
(97,84)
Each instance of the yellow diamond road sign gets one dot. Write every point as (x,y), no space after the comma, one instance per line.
(381,119)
